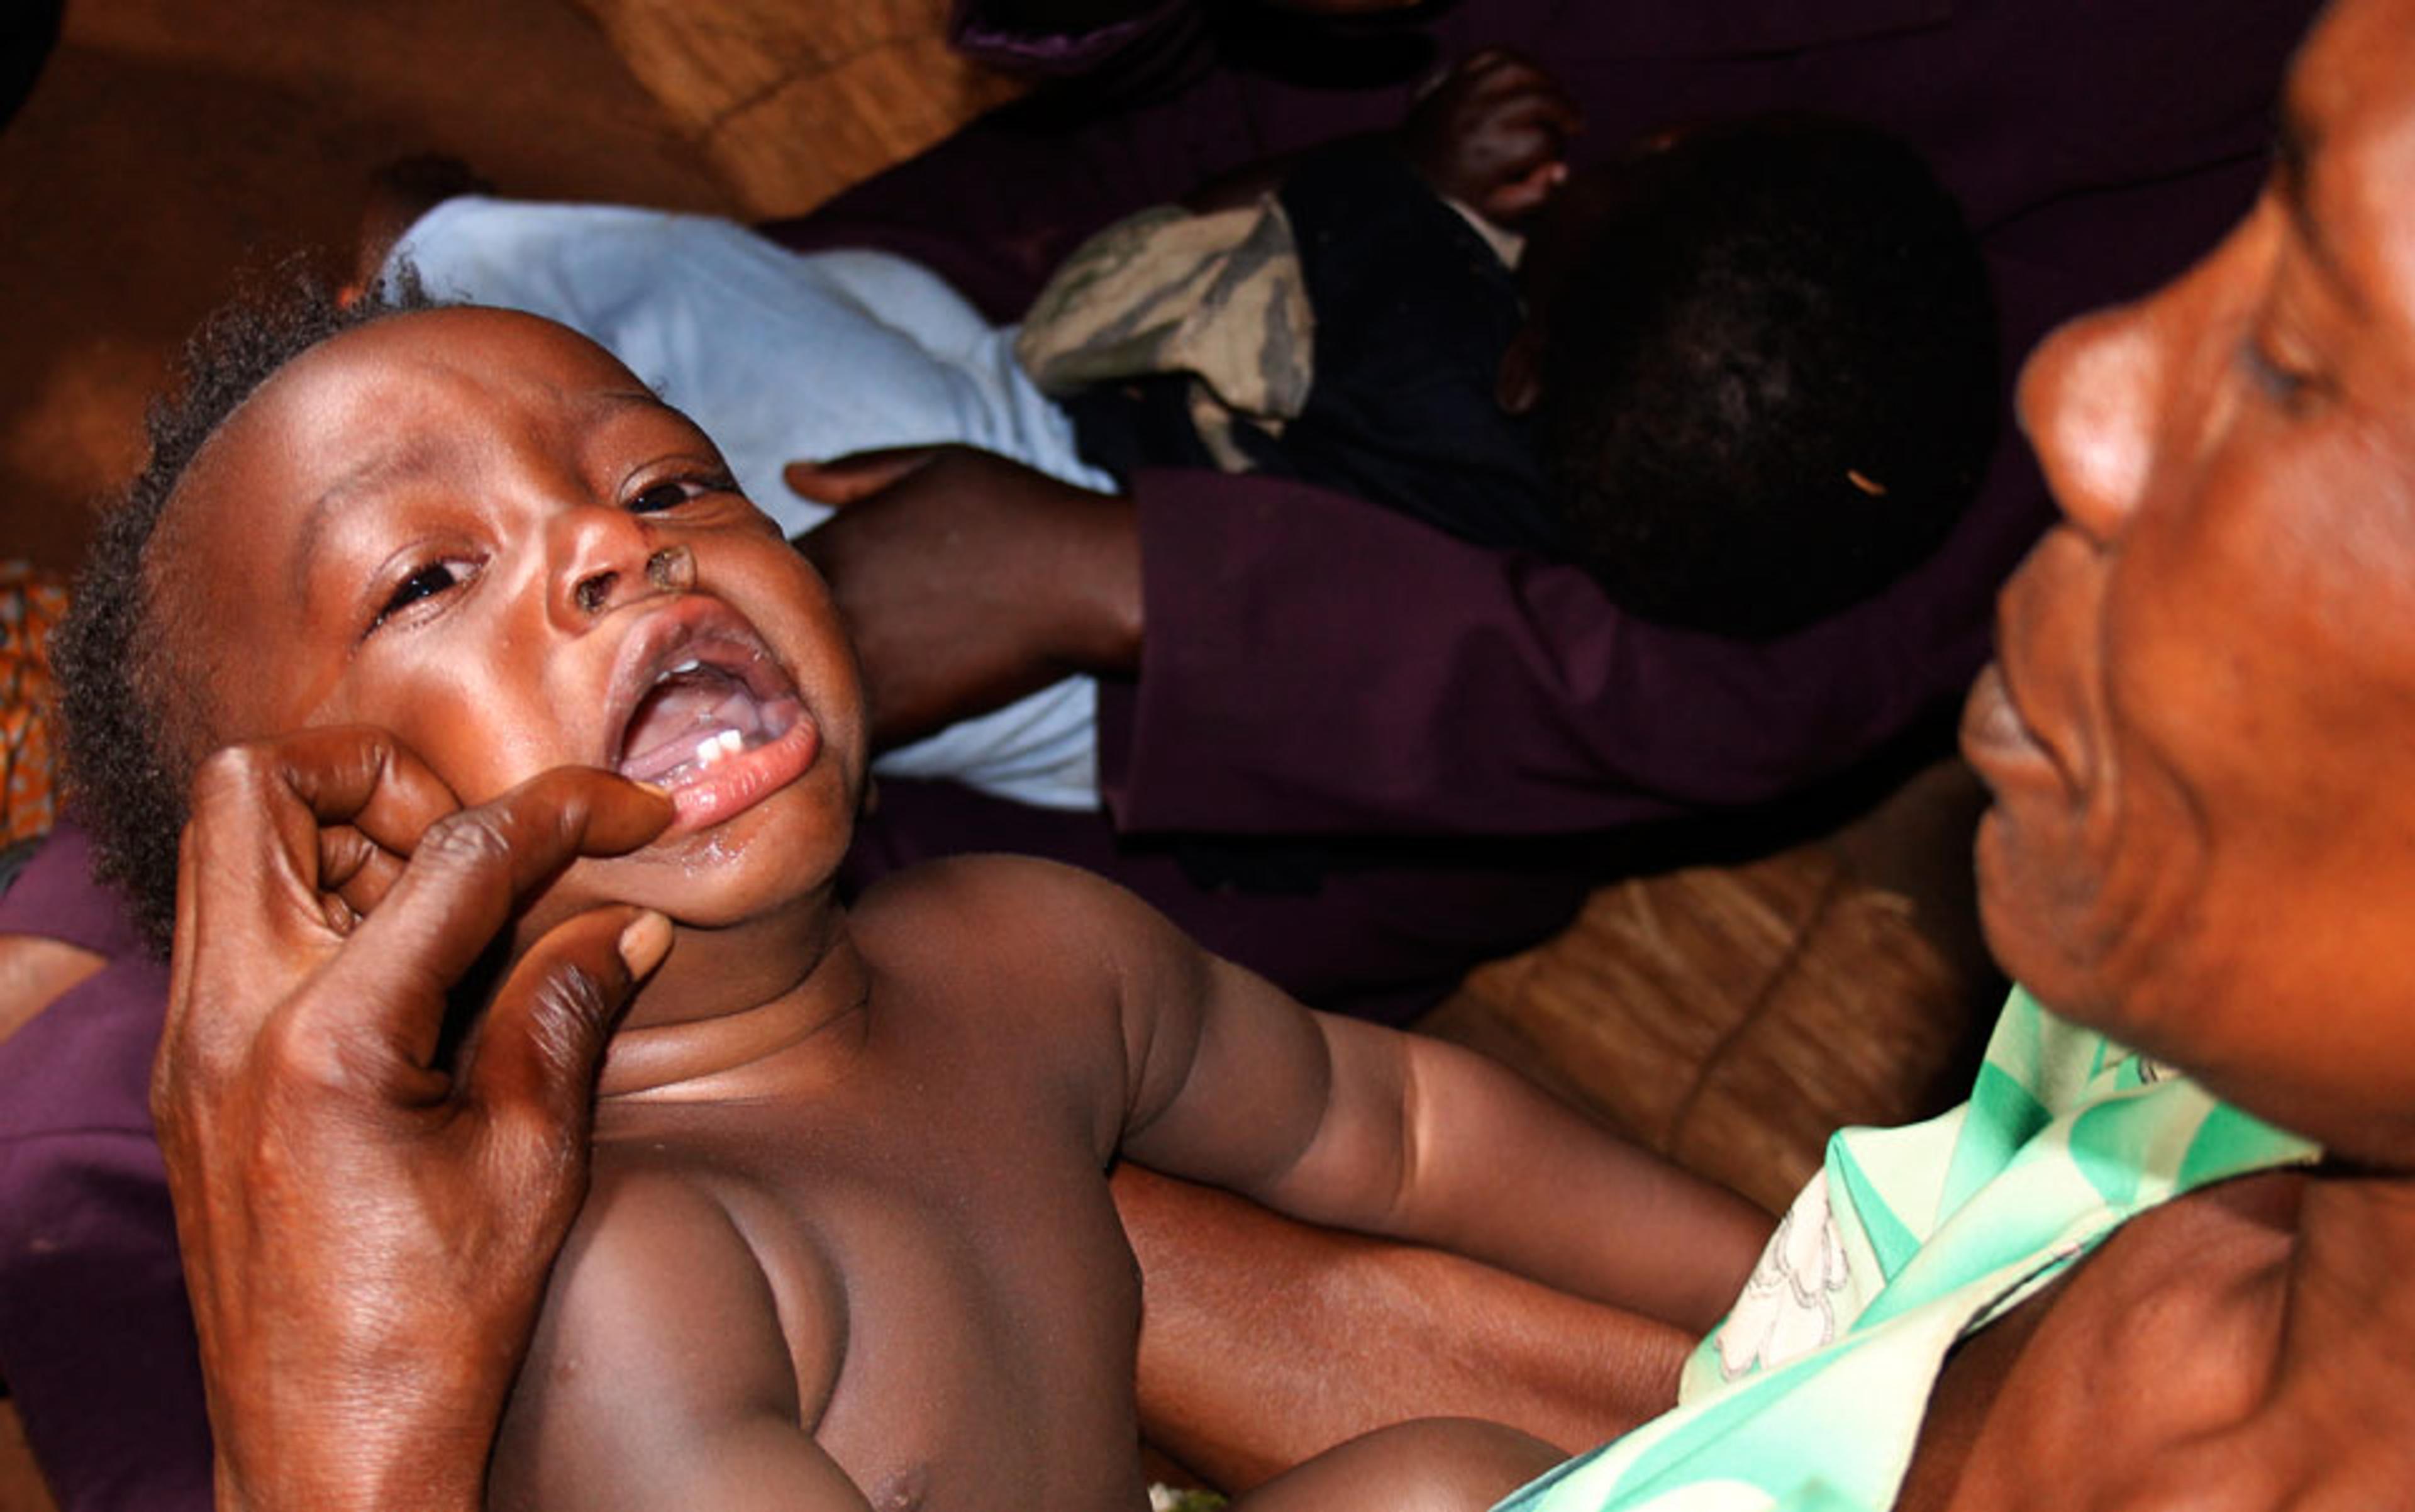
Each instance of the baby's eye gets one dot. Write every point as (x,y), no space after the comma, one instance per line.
(672,492)
(425,581)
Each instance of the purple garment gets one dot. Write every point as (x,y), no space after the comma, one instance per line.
(96,1339)
(1314,666)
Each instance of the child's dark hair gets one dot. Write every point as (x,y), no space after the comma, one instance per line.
(1770,379)
(129,689)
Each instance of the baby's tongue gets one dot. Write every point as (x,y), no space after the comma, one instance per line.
(689,720)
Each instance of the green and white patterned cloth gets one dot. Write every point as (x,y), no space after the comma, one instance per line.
(1809,1395)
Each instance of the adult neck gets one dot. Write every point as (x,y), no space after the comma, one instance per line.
(728,1007)
(2343,1396)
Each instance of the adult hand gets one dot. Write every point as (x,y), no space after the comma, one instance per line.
(1492,134)
(366,1224)
(968,581)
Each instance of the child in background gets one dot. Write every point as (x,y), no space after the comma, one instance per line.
(1745,374)
(849,1240)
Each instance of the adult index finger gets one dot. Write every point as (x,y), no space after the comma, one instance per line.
(252,917)
(356,774)
(468,872)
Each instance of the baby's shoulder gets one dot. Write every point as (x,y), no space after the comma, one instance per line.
(1053,951)
(998,902)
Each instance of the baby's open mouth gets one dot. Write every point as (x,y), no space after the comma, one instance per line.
(700,690)
(695,717)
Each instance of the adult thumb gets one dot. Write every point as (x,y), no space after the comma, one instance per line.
(841,481)
(537,1051)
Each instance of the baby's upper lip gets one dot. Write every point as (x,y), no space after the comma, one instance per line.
(689,627)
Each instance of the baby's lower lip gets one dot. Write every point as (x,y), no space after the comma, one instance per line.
(712,786)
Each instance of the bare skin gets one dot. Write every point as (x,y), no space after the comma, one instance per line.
(1264,1342)
(35,972)
(863,1155)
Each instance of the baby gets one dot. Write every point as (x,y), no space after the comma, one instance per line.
(848,1241)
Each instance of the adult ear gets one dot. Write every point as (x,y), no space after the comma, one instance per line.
(1517,385)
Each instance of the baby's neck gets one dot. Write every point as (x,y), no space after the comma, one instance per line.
(730,1007)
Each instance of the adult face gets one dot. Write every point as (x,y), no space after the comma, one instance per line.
(2201,732)
(477,530)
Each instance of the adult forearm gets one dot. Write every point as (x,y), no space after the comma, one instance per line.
(1364,673)
(1265,1341)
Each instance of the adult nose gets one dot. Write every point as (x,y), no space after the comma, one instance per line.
(603,558)
(2087,401)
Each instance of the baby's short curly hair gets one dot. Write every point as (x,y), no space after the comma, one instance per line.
(132,689)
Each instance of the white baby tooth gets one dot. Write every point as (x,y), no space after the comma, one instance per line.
(716,747)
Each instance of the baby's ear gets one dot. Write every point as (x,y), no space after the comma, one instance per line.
(1518,386)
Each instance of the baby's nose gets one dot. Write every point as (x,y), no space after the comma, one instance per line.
(670,570)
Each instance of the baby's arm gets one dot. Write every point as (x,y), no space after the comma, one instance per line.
(1348,1124)
(660,1375)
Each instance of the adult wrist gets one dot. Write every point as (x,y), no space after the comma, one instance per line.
(1104,620)
(370,1440)
(431,1475)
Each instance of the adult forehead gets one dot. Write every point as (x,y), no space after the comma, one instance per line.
(2348,133)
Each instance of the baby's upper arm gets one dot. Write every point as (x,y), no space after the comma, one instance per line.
(1220,1075)
(1183,1061)
(661,1374)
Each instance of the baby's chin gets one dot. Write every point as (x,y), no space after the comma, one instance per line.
(719,878)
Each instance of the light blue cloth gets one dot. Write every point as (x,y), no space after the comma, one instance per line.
(781,356)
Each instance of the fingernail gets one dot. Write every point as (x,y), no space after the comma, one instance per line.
(644,941)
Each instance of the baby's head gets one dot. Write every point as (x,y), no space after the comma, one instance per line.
(1763,361)
(476,530)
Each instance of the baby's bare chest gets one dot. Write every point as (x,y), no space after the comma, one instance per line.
(988,1303)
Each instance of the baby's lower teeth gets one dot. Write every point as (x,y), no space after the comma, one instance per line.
(713,747)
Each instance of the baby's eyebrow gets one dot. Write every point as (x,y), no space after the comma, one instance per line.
(629,399)
(603,403)
(371,475)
